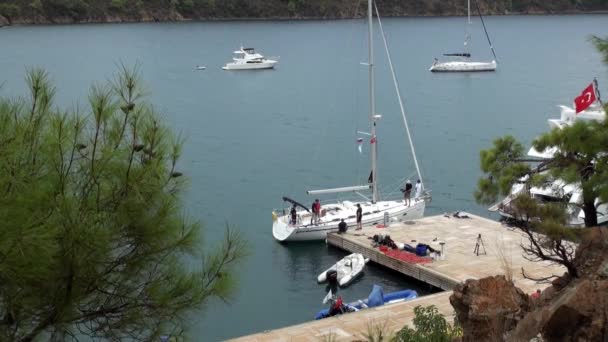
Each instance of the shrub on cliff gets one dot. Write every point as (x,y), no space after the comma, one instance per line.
(429,325)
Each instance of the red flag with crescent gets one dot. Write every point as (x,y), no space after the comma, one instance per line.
(585,99)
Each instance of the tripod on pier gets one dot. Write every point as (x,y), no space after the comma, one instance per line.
(478,244)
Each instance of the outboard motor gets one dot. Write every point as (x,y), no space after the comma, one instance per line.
(332,278)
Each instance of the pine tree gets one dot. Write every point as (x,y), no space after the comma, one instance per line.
(580,157)
(93,239)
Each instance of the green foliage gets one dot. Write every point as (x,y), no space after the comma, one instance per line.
(93,240)
(602,46)
(580,148)
(185,6)
(377,332)
(291,6)
(117,4)
(9,10)
(67,8)
(36,5)
(579,157)
(429,325)
(80,10)
(503,166)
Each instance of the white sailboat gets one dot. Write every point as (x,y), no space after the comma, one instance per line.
(462,60)
(300,226)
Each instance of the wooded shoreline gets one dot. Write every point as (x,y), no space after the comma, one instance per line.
(33,12)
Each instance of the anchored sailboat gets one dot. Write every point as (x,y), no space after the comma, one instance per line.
(463,62)
(297,224)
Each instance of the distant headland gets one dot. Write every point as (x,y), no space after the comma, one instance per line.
(14,12)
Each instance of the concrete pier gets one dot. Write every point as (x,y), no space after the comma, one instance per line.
(503,255)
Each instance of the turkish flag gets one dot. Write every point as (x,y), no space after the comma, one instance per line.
(585,99)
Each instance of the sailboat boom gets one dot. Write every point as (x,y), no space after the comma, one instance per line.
(335,190)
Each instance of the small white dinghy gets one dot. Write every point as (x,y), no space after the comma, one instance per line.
(200,67)
(345,270)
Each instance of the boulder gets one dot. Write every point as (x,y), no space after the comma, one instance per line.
(573,309)
(4,21)
(578,313)
(488,308)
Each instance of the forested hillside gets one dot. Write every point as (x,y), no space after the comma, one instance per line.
(74,11)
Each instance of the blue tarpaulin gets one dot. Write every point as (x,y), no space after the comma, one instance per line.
(376,297)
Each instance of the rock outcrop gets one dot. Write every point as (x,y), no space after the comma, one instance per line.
(493,309)
(489,307)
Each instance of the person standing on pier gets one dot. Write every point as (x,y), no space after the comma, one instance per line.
(359,217)
(418,189)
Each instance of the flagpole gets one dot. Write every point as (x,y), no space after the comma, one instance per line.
(596,88)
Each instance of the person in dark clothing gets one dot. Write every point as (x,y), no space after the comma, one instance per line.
(359,217)
(316,212)
(407,192)
(294,215)
(342,227)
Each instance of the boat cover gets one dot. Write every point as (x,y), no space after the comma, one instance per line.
(458,54)
(376,297)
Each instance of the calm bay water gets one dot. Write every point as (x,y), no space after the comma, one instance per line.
(253,137)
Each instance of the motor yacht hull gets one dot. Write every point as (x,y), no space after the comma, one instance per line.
(266,64)
(576,216)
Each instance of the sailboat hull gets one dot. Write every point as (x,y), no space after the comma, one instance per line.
(463,66)
(373,215)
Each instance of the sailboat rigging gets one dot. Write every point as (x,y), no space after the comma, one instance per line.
(300,226)
(464,64)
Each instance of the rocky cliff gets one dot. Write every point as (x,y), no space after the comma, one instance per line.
(493,309)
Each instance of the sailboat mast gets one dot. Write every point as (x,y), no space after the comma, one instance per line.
(372,103)
(467,35)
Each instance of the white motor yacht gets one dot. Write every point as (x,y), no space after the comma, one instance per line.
(248,59)
(557,190)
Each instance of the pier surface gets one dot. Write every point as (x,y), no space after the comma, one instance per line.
(503,255)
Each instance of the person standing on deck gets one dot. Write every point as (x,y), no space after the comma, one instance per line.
(293,215)
(418,189)
(359,217)
(407,192)
(316,211)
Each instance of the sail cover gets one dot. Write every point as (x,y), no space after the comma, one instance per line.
(464,54)
(287,199)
